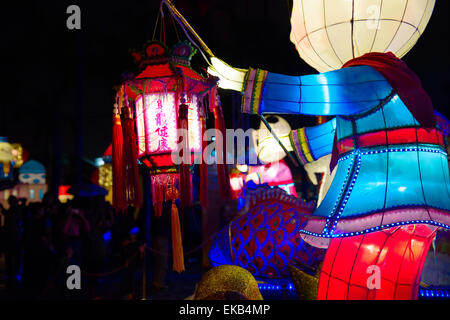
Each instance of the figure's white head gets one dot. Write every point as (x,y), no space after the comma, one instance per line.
(268,149)
(328,33)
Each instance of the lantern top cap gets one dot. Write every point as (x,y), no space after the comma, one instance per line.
(182,53)
(156,52)
(32,166)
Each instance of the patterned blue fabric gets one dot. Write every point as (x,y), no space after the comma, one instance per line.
(340,92)
(320,138)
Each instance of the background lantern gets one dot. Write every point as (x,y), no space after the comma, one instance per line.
(103,174)
(264,237)
(6,159)
(329,33)
(32,181)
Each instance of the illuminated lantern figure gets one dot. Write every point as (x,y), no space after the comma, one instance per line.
(275,172)
(388,156)
(265,238)
(165,101)
(103,175)
(20,155)
(6,159)
(32,178)
(398,253)
(237,179)
(268,149)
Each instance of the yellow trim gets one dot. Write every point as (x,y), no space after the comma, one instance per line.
(304,145)
(229,239)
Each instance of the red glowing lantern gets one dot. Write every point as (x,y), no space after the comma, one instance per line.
(163,118)
(384,265)
(167,95)
(158,91)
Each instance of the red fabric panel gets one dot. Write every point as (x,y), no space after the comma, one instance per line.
(372,139)
(404,81)
(357,293)
(331,253)
(345,145)
(397,136)
(336,289)
(322,288)
(343,264)
(404,135)
(430,136)
(369,254)
(398,252)
(156,71)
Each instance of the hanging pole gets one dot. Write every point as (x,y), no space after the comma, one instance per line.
(278,140)
(174,10)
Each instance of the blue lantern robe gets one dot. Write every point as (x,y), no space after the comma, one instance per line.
(401,179)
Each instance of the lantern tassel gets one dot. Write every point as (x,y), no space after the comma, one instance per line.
(177,244)
(219,123)
(157,195)
(132,187)
(118,174)
(203,172)
(185,176)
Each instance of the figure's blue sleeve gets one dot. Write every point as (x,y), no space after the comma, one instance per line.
(340,92)
(311,143)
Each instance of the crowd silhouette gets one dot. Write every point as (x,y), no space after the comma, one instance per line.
(40,240)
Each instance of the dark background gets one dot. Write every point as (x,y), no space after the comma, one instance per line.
(48,70)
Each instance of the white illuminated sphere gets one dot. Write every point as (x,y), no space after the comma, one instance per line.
(268,149)
(328,33)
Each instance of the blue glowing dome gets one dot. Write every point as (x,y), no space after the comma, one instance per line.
(32,166)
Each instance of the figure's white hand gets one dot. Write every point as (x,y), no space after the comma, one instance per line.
(230,77)
(321,165)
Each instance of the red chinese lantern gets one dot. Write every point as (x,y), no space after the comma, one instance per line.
(384,265)
(167,95)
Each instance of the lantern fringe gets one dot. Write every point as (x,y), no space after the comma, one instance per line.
(222,168)
(118,174)
(177,244)
(132,186)
(185,175)
(164,188)
(203,172)
(157,196)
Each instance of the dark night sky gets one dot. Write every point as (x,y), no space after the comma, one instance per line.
(48,70)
